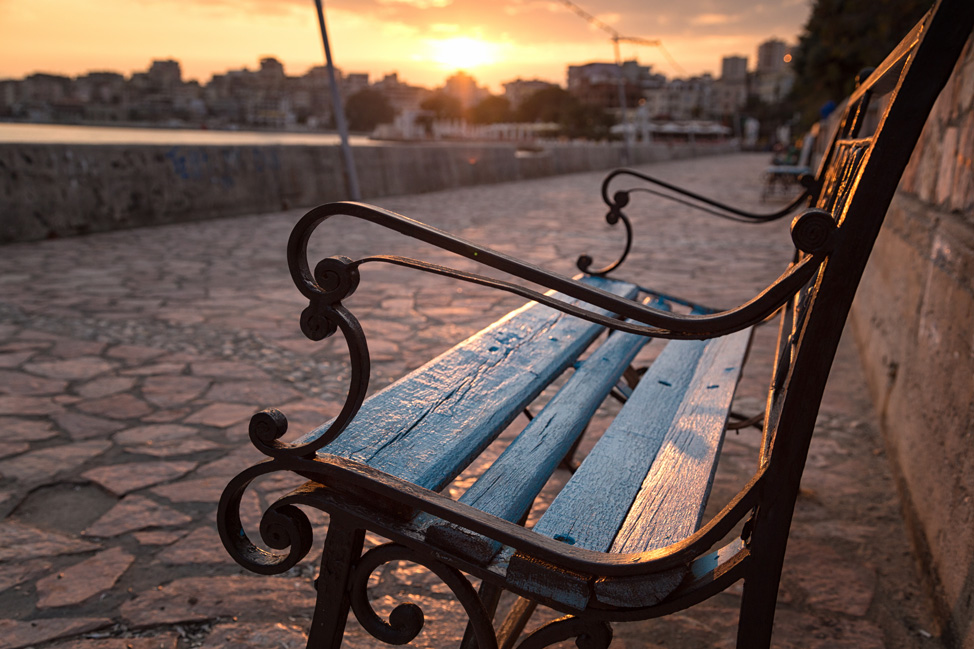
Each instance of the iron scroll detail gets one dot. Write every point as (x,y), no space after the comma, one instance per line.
(621,199)
(814,231)
(648,321)
(282,527)
(612,217)
(406,620)
(335,278)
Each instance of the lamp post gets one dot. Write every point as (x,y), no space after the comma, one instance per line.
(351,177)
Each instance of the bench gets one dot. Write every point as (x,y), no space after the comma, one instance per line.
(781,175)
(625,538)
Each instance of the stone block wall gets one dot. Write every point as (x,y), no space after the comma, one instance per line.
(55,190)
(914,323)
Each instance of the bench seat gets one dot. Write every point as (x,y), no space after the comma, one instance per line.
(430,425)
(644,485)
(646,482)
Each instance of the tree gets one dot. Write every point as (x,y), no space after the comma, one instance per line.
(586,121)
(493,109)
(575,119)
(368,108)
(552,104)
(443,106)
(840,39)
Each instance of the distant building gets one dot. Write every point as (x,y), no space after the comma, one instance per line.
(730,91)
(402,96)
(164,74)
(733,69)
(48,88)
(728,98)
(464,87)
(271,71)
(597,84)
(772,56)
(682,99)
(774,77)
(353,82)
(520,89)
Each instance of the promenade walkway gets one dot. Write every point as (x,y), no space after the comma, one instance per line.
(130,363)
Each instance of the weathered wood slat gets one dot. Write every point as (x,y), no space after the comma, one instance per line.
(512,482)
(671,501)
(676,489)
(658,423)
(428,426)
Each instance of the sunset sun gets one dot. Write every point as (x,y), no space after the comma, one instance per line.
(463,52)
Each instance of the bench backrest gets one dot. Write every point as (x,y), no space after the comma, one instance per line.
(858,176)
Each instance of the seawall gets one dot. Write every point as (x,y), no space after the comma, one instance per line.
(57,190)
(914,323)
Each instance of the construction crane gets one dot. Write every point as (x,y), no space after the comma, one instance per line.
(617,38)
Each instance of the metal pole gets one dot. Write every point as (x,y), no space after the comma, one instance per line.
(623,113)
(351,177)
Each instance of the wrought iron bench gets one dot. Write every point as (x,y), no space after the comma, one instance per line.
(625,538)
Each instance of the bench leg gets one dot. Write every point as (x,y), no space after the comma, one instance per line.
(490,595)
(343,546)
(757,613)
(517,618)
(762,581)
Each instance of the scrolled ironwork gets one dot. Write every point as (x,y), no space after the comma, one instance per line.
(286,526)
(612,217)
(406,620)
(318,322)
(283,526)
(650,321)
(621,199)
(268,426)
(813,231)
(588,634)
(696,201)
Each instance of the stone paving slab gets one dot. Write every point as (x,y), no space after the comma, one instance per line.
(130,363)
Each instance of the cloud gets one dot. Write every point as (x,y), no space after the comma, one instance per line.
(419,4)
(712,19)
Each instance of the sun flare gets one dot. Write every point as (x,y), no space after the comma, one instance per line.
(462,52)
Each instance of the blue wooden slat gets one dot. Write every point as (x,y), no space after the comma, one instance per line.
(671,500)
(429,425)
(672,397)
(509,486)
(588,511)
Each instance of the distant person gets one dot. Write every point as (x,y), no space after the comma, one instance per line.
(826,109)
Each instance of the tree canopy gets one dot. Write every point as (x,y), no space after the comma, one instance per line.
(493,109)
(368,108)
(840,39)
(443,106)
(574,118)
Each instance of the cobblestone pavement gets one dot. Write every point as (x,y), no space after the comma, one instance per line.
(130,363)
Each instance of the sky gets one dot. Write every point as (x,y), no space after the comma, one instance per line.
(424,41)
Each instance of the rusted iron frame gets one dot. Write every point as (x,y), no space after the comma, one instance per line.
(709,574)
(811,233)
(334,479)
(335,278)
(621,198)
(406,620)
(933,47)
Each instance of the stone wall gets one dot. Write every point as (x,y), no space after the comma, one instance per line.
(63,190)
(914,322)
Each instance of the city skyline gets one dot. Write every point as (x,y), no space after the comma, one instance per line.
(425,41)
